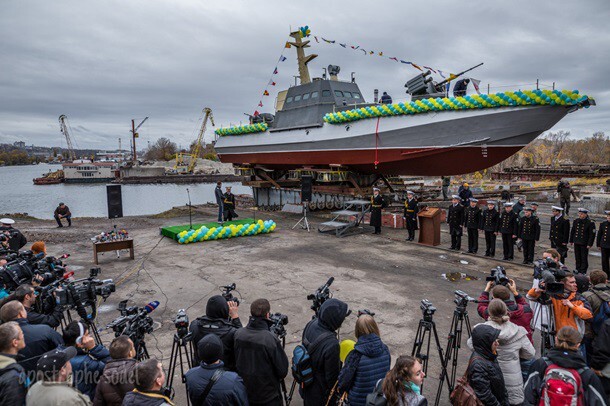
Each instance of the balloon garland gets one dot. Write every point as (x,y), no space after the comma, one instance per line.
(476,101)
(230,231)
(242,129)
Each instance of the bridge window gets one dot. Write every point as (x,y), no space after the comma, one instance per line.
(356,95)
(348,94)
(289,99)
(297,98)
(325,93)
(314,95)
(306,96)
(338,93)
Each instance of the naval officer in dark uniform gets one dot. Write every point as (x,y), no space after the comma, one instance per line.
(603,243)
(377,203)
(455,219)
(472,221)
(582,237)
(529,233)
(560,232)
(489,225)
(507,226)
(411,210)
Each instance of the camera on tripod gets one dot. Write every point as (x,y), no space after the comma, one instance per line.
(278,321)
(550,276)
(135,323)
(462,298)
(227,293)
(426,307)
(498,276)
(321,295)
(181,322)
(83,293)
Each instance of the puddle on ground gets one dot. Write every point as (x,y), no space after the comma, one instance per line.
(456,276)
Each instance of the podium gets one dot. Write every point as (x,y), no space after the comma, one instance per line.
(430,226)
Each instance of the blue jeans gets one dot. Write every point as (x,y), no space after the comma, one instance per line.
(69,218)
(220,213)
(525,367)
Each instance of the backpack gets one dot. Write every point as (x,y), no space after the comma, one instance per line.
(376,398)
(463,394)
(302,371)
(561,386)
(602,315)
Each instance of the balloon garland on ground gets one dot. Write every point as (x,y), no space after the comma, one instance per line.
(476,101)
(242,129)
(222,232)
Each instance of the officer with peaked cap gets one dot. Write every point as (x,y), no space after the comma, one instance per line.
(603,243)
(529,233)
(582,237)
(15,239)
(507,226)
(377,204)
(489,225)
(410,214)
(559,233)
(472,221)
(455,219)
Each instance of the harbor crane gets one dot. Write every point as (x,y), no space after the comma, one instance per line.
(63,127)
(134,133)
(181,166)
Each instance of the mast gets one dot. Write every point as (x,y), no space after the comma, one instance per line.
(302,60)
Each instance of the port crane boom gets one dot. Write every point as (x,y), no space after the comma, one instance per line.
(180,165)
(63,127)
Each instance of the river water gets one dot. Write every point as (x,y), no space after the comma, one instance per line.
(20,195)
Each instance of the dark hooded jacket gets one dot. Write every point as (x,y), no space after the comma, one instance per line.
(13,381)
(591,385)
(216,321)
(260,361)
(325,360)
(367,364)
(484,373)
(115,382)
(39,338)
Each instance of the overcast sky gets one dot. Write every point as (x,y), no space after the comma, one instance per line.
(103,63)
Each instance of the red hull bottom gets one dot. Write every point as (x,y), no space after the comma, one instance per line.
(421,162)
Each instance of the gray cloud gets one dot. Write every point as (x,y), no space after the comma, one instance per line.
(104,63)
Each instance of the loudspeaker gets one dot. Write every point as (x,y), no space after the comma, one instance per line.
(306,188)
(115,201)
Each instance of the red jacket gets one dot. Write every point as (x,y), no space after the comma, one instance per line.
(520,312)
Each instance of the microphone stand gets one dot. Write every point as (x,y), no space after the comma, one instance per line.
(190,210)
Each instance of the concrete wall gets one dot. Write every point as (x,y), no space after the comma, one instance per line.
(141,171)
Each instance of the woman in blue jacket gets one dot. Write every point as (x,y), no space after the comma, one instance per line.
(366,364)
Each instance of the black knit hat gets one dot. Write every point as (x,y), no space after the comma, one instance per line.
(210,348)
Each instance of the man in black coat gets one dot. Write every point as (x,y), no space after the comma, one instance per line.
(13,380)
(519,206)
(460,87)
(26,295)
(472,221)
(219,199)
(483,372)
(410,214)
(507,226)
(320,339)
(603,243)
(465,194)
(560,232)
(600,356)
(228,388)
(39,338)
(377,204)
(221,319)
(16,240)
(62,212)
(229,204)
(582,237)
(259,357)
(489,224)
(455,219)
(529,233)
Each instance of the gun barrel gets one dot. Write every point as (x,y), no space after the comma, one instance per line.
(452,77)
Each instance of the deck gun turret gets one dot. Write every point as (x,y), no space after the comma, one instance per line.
(423,85)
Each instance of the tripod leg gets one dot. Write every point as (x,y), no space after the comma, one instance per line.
(443,365)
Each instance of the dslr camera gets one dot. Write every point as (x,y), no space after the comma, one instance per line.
(226,293)
(278,321)
(498,276)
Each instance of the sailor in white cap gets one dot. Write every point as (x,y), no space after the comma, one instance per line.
(455,219)
(13,237)
(472,221)
(603,242)
(489,225)
(582,237)
(410,215)
(508,228)
(529,233)
(377,204)
(560,232)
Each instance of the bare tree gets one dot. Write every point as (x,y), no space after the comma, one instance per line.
(162,150)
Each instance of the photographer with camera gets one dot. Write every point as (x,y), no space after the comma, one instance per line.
(149,385)
(39,338)
(26,295)
(529,232)
(209,384)
(117,379)
(221,319)
(320,339)
(13,381)
(90,360)
(519,311)
(260,359)
(14,238)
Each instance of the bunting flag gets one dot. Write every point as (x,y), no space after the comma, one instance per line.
(287,45)
(271,83)
(381,54)
(429,68)
(282,58)
(476,83)
(408,63)
(416,67)
(327,41)
(371,52)
(275,71)
(256,113)
(363,50)
(265,93)
(353,47)
(316,38)
(343,45)
(260,104)
(440,72)
(394,58)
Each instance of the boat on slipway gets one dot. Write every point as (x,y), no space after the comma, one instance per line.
(325,124)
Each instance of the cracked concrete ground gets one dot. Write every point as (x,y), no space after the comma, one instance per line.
(382,273)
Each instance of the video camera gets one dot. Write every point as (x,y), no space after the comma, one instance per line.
(278,321)
(82,293)
(135,323)
(20,269)
(228,295)
(426,307)
(550,276)
(321,295)
(462,298)
(181,322)
(498,276)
